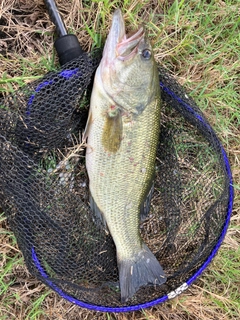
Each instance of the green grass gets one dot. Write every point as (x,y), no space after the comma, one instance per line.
(12,260)
(198,42)
(224,276)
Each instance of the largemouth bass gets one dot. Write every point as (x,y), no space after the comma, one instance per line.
(123,130)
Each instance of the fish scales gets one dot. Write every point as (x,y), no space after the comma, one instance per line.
(122,178)
(123,130)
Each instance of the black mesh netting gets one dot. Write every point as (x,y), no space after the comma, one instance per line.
(44,188)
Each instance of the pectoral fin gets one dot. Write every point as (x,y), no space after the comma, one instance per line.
(112,132)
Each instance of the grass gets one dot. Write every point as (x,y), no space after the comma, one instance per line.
(198,42)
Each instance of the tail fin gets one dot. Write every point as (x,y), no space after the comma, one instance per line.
(143,269)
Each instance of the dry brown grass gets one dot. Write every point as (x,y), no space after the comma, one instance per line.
(26,46)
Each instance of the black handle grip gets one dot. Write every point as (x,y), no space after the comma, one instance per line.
(68,48)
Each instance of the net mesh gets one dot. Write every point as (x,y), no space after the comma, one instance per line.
(44,188)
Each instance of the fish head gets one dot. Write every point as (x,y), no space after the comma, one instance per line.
(128,70)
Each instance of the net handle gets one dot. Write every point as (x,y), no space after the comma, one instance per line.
(66,45)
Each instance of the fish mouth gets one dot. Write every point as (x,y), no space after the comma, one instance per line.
(118,44)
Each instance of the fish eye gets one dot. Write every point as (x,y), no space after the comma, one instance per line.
(146,54)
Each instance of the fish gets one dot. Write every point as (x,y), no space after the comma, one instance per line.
(122,133)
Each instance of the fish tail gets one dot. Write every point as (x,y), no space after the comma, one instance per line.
(142,269)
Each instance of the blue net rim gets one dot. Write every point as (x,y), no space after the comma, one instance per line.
(185,285)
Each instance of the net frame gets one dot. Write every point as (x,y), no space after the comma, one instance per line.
(192,116)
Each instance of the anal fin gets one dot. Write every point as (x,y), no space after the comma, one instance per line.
(98,217)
